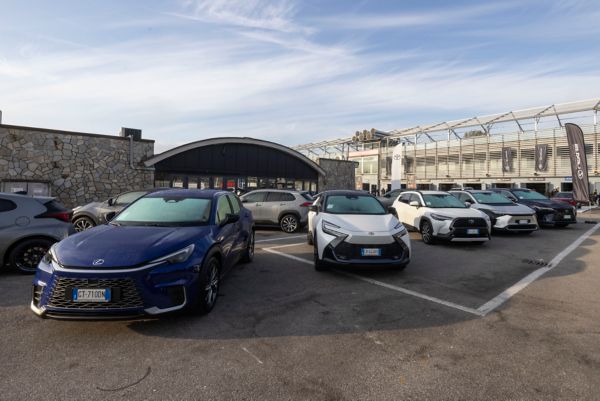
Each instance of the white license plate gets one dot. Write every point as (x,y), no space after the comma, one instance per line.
(91,295)
(370,252)
(472,231)
(567,217)
(522,221)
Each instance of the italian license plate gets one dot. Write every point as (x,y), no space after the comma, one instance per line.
(370,252)
(91,294)
(522,221)
(567,217)
(472,231)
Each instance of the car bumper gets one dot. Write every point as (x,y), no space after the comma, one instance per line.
(133,294)
(516,223)
(448,230)
(552,218)
(349,255)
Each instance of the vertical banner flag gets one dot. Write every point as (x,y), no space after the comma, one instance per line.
(579,169)
(541,157)
(507,162)
(397,166)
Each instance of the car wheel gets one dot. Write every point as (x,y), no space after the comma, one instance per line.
(427,232)
(26,256)
(249,252)
(289,223)
(309,238)
(83,223)
(319,264)
(209,286)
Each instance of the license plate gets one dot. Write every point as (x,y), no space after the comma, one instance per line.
(370,252)
(472,231)
(91,294)
(522,221)
(567,217)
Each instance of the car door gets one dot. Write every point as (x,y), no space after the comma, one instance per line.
(413,213)
(239,241)
(226,233)
(403,209)
(273,206)
(254,201)
(312,215)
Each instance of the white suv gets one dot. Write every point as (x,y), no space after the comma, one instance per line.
(439,215)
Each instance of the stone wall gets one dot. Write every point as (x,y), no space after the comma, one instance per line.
(339,174)
(78,167)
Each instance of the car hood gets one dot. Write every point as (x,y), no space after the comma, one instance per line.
(363,222)
(513,209)
(457,212)
(124,246)
(544,203)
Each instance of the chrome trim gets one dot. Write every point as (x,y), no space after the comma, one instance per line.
(157,311)
(60,268)
(38,311)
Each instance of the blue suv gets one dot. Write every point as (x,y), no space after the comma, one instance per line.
(165,252)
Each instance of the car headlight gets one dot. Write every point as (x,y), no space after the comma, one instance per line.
(331,229)
(440,217)
(50,256)
(177,257)
(401,233)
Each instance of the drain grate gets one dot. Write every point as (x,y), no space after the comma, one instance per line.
(537,262)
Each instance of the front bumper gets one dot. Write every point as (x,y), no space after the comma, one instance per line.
(461,230)
(554,217)
(349,254)
(134,293)
(515,223)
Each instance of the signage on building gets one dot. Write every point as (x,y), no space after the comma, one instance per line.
(579,167)
(568,179)
(507,162)
(397,166)
(541,157)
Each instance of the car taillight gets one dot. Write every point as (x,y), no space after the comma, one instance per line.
(64,216)
(306,204)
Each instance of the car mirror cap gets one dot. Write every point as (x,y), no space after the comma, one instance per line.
(414,204)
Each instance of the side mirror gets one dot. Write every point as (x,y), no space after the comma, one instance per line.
(468,204)
(230,218)
(244,200)
(110,215)
(110,201)
(313,208)
(392,210)
(415,204)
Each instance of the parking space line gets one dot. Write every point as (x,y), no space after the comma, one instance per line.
(281,238)
(530,278)
(379,283)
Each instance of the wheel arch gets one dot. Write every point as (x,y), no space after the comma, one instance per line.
(16,242)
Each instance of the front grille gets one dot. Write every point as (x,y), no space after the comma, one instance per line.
(37,294)
(474,222)
(347,251)
(124,293)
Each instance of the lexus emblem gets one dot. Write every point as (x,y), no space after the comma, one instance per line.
(98,262)
(471,221)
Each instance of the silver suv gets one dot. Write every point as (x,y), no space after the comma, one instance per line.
(285,208)
(28,227)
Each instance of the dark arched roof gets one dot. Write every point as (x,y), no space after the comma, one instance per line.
(234,140)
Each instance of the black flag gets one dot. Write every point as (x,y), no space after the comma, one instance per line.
(541,157)
(507,162)
(579,169)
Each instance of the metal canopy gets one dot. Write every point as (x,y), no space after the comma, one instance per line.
(485,122)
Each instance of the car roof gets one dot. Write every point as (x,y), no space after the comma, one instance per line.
(342,192)
(17,197)
(273,190)
(189,193)
(428,192)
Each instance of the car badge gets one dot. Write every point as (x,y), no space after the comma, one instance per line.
(471,221)
(98,262)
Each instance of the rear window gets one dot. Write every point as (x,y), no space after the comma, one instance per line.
(54,206)
(280,197)
(306,196)
(6,205)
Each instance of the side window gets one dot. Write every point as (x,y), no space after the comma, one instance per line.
(6,205)
(129,197)
(255,197)
(287,197)
(509,195)
(464,198)
(415,198)
(223,209)
(404,198)
(274,197)
(235,204)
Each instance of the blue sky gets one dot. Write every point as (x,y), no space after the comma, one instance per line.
(289,71)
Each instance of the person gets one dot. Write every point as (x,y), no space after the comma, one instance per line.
(595,197)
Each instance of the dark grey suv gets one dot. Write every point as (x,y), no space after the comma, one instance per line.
(286,208)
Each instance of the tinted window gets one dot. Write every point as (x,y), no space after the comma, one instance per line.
(54,206)
(6,205)
(255,197)
(306,196)
(404,198)
(353,204)
(274,197)
(129,197)
(414,198)
(223,209)
(166,211)
(235,204)
(287,197)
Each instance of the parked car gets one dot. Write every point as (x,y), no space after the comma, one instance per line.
(165,252)
(28,227)
(96,213)
(504,214)
(549,212)
(271,207)
(439,215)
(566,197)
(352,228)
(388,198)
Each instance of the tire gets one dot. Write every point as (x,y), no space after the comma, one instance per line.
(319,264)
(209,285)
(83,223)
(309,238)
(427,233)
(26,255)
(289,223)
(249,251)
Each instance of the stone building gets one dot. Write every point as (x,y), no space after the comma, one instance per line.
(74,167)
(339,174)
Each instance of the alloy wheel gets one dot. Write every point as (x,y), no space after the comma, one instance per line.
(212,289)
(30,258)
(426,233)
(82,224)
(289,224)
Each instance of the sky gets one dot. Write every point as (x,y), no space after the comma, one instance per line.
(289,71)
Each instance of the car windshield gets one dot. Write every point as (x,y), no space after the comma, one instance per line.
(529,195)
(353,204)
(442,201)
(491,198)
(166,211)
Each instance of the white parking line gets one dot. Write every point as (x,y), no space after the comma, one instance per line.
(376,282)
(281,238)
(511,291)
